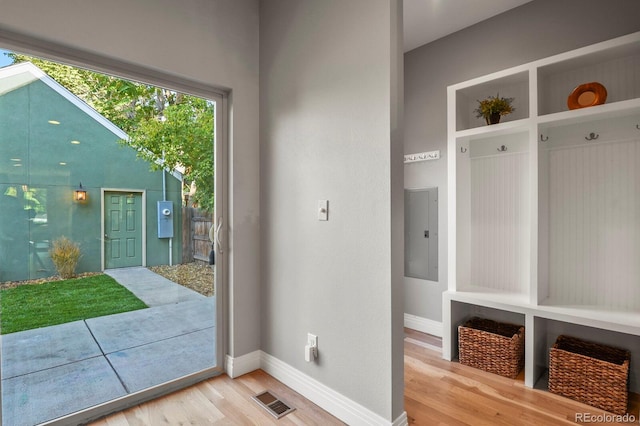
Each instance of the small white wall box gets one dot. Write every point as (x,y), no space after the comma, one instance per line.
(165,219)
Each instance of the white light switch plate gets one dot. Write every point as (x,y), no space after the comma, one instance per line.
(312,340)
(323,209)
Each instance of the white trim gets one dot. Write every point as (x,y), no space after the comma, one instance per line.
(328,399)
(236,367)
(144,222)
(402,420)
(424,325)
(221,191)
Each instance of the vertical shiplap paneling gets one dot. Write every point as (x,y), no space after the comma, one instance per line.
(594,235)
(500,222)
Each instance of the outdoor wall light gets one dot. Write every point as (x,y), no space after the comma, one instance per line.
(80,194)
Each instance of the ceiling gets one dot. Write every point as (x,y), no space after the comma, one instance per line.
(429,20)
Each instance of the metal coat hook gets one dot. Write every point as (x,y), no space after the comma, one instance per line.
(592,136)
(502,148)
(463,149)
(543,139)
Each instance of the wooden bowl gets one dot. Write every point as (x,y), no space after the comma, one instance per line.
(586,95)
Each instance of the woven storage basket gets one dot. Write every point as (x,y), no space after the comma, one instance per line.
(492,346)
(590,372)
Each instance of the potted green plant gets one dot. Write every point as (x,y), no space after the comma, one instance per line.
(494,107)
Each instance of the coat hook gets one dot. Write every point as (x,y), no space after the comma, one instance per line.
(638,126)
(502,148)
(592,136)
(543,139)
(463,149)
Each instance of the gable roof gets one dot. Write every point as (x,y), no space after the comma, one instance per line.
(13,77)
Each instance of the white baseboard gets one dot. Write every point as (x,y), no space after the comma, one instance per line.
(335,403)
(236,367)
(402,420)
(424,325)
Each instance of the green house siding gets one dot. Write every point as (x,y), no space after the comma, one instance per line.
(41,164)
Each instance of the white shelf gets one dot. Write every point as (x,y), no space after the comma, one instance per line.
(591,316)
(605,51)
(585,115)
(494,81)
(551,218)
(497,300)
(494,130)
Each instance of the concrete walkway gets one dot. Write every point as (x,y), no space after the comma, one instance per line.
(54,371)
(151,288)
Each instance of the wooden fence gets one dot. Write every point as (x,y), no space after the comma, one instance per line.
(195,235)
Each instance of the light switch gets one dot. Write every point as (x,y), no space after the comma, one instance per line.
(323,209)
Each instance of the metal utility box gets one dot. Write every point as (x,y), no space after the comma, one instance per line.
(421,233)
(165,219)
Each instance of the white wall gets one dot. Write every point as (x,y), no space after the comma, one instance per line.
(330,128)
(535,30)
(214,42)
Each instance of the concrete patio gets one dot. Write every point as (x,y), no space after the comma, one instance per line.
(54,371)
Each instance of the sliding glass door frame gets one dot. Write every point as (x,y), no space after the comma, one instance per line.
(220,153)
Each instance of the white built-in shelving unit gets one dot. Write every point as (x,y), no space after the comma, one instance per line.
(545,232)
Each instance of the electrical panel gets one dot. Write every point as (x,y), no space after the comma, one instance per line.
(165,219)
(421,233)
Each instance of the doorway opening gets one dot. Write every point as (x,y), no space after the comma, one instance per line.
(111,165)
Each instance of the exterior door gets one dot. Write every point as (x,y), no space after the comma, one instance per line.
(122,229)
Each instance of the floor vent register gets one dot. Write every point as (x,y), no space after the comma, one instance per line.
(274,405)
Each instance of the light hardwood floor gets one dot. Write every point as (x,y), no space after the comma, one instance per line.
(437,392)
(221,401)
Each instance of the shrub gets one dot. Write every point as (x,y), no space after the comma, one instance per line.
(65,255)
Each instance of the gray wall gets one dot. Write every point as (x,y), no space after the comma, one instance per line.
(330,128)
(535,30)
(210,41)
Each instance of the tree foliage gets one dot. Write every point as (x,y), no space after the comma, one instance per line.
(164,126)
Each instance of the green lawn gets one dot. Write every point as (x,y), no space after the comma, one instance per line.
(58,302)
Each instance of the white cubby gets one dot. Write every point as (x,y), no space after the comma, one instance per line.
(547,229)
(548,330)
(461,312)
(493,245)
(589,206)
(614,64)
(514,84)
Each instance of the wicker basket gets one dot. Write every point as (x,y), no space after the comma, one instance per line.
(492,346)
(592,373)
